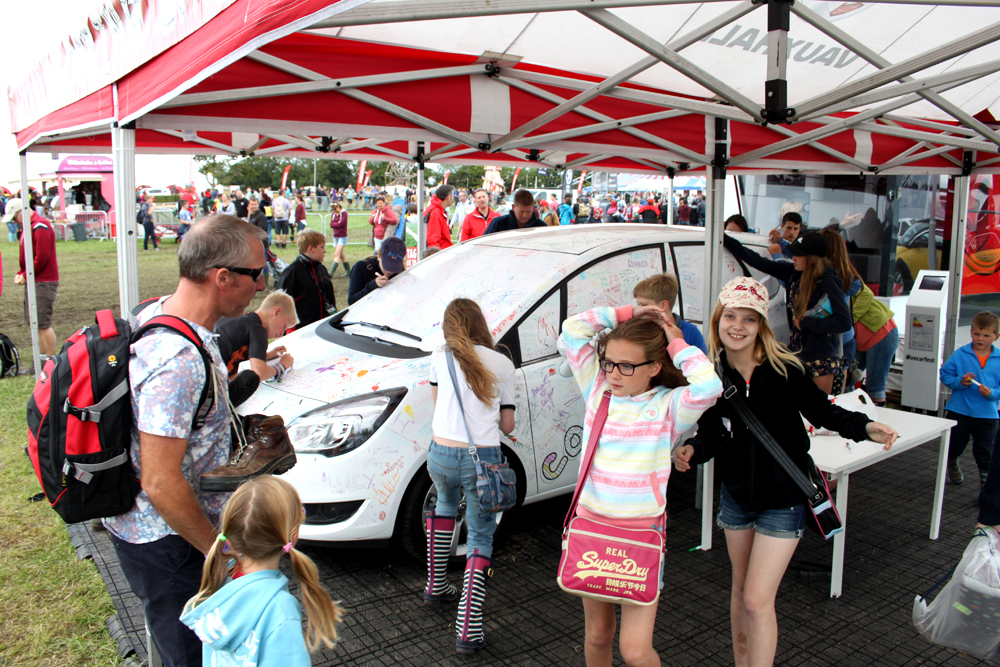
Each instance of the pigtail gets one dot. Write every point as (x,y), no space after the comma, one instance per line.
(213,574)
(322,613)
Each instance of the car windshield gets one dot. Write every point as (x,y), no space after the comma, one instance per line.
(503,281)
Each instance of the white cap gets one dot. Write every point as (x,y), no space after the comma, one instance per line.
(13,207)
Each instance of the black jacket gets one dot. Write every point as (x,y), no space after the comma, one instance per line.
(750,473)
(363,278)
(820,335)
(508,222)
(309,284)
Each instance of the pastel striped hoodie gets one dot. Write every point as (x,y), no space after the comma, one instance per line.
(628,478)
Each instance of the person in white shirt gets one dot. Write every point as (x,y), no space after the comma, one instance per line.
(484,378)
(463,207)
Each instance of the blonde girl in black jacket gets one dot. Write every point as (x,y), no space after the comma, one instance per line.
(761,510)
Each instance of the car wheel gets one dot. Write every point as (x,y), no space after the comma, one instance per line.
(421,499)
(903,278)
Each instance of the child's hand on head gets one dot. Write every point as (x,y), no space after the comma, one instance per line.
(672,330)
(647,313)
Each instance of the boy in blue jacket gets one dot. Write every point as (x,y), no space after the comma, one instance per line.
(661,291)
(973,375)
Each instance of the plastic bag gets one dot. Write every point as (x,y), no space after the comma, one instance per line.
(966,613)
(855,401)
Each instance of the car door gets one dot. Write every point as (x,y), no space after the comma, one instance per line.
(555,405)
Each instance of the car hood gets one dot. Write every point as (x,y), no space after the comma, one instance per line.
(325,372)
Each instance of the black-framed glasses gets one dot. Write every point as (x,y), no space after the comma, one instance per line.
(243,271)
(625,369)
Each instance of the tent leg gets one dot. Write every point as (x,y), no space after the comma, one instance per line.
(716,193)
(421,227)
(670,201)
(959,215)
(123,149)
(29,266)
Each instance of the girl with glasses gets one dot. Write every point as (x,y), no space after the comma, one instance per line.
(659,387)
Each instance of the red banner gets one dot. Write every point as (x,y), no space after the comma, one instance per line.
(446,174)
(361,173)
(579,188)
(284,177)
(513,183)
(368,175)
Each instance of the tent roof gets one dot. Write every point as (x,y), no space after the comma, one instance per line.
(588,85)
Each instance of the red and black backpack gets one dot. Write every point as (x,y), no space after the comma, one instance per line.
(80,417)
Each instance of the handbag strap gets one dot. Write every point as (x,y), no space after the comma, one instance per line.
(458,394)
(595,435)
(732,394)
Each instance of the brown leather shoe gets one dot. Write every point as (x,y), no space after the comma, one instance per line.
(268,451)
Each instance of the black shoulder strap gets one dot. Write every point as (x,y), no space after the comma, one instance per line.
(182,328)
(732,394)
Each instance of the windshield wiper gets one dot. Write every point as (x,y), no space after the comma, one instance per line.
(381,327)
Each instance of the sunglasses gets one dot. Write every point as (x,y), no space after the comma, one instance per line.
(253,273)
(625,369)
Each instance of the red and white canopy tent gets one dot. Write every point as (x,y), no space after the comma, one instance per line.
(640,86)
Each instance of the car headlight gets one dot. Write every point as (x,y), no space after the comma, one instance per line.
(344,425)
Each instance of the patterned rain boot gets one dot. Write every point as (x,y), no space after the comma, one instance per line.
(469,625)
(440,530)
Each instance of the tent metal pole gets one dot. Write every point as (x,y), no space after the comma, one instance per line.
(715,192)
(29,264)
(877,60)
(123,150)
(421,227)
(598,89)
(820,132)
(901,160)
(670,196)
(930,137)
(938,55)
(959,215)
(776,84)
(196,139)
(584,111)
(671,58)
(415,118)
(393,12)
(317,83)
(932,85)
(590,129)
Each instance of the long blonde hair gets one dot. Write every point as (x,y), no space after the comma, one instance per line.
(815,267)
(465,327)
(766,348)
(258,521)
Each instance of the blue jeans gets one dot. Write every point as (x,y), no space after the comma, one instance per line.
(164,575)
(876,362)
(785,522)
(12,230)
(452,469)
(150,230)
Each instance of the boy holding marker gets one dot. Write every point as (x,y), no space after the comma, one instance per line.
(973,374)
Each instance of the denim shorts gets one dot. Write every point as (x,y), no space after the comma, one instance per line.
(339,240)
(785,523)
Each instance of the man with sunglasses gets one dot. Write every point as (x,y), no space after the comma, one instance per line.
(161,542)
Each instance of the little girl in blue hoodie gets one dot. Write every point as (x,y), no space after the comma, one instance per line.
(244,609)
(973,375)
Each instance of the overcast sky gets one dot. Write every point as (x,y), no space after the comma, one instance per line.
(24,47)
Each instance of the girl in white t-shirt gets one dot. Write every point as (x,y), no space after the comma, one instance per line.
(485,379)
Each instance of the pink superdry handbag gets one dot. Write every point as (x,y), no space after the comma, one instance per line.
(604,562)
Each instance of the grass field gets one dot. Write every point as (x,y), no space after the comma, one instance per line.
(54,606)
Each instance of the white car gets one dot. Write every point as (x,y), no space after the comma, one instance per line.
(358,404)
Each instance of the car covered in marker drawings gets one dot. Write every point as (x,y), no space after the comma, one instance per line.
(358,403)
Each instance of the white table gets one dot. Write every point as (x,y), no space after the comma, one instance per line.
(833,456)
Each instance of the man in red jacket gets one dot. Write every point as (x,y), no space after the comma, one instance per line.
(476,222)
(436,215)
(43,243)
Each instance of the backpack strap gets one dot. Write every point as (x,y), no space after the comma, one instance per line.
(184,329)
